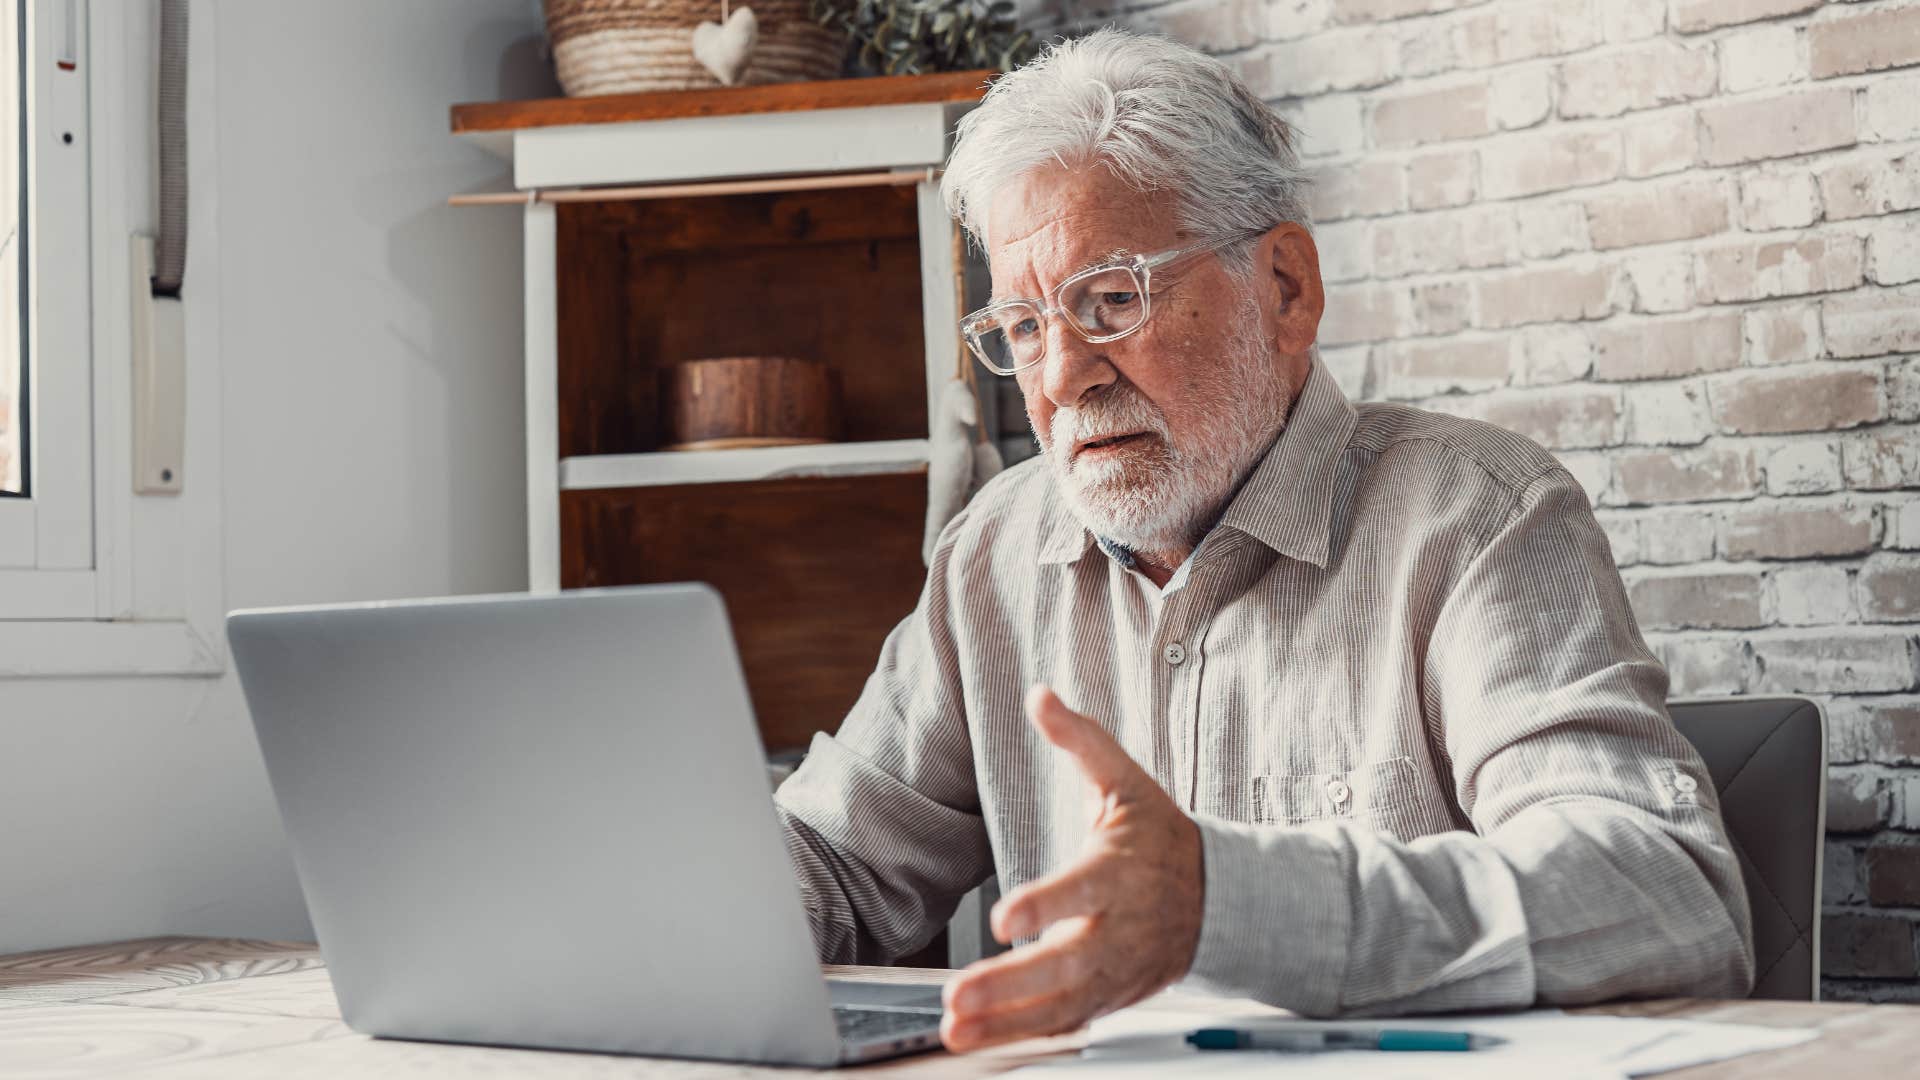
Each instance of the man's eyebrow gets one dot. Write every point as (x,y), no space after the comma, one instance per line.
(1116,255)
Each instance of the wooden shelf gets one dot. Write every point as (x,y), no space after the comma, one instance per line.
(959,86)
(733,466)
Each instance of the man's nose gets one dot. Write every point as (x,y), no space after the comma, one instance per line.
(1072,368)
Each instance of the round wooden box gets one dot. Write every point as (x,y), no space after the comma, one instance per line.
(731,402)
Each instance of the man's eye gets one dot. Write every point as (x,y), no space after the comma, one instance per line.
(1025,328)
(1119,299)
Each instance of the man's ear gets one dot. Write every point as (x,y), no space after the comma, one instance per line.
(1290,275)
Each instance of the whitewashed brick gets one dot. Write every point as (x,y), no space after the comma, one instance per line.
(1761,56)
(1675,537)
(1783,334)
(1816,594)
(1903,389)
(1359,313)
(1882,460)
(1442,307)
(1803,467)
(1834,661)
(1623,536)
(1903,526)
(1288,19)
(1664,348)
(1779,126)
(1660,282)
(1876,184)
(1705,665)
(1547,229)
(1675,476)
(1345,250)
(1778,199)
(1441,178)
(1893,251)
(1558,417)
(1872,322)
(1547,160)
(1682,209)
(1416,369)
(1667,414)
(1337,60)
(1632,20)
(1593,471)
(1774,401)
(1889,589)
(1365,188)
(1549,294)
(1432,115)
(1662,143)
(1893,108)
(1432,243)
(1351,368)
(1636,77)
(1366,11)
(1693,16)
(1873,40)
(1329,125)
(1211,25)
(1519,98)
(1796,529)
(1755,270)
(1427,48)
(1543,28)
(1555,353)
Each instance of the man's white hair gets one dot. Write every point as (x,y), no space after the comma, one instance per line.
(1160,115)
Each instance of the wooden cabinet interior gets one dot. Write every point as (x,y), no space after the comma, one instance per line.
(815,572)
(832,276)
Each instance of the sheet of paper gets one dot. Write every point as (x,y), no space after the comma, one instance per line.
(1149,1040)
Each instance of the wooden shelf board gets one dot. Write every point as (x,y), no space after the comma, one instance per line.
(478,117)
(593,471)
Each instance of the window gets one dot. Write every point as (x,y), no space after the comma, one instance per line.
(46,305)
(13,376)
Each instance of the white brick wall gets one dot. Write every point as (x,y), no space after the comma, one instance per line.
(1677,241)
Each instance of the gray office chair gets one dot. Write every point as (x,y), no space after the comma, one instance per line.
(1768,760)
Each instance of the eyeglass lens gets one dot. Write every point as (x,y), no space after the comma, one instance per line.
(1101,304)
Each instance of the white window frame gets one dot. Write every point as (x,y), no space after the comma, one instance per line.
(117,583)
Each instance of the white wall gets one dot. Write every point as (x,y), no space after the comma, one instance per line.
(370,433)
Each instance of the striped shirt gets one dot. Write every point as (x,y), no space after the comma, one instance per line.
(1397,686)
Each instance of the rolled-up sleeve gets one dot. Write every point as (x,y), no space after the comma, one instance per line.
(1598,865)
(882,820)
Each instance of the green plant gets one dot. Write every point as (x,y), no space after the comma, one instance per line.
(917,37)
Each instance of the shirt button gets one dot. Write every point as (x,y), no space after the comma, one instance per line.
(1175,653)
(1686,783)
(1338,791)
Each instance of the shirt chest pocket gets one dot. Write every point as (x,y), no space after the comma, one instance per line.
(1366,793)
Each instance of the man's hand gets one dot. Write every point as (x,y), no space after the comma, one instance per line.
(1115,925)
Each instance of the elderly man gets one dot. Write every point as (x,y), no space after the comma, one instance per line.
(1336,706)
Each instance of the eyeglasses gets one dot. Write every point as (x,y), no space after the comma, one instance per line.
(1100,304)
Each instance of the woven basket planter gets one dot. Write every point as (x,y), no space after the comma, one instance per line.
(628,46)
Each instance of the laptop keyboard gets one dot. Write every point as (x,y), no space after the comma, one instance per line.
(860,1024)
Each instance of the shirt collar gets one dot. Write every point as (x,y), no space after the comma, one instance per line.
(1287,503)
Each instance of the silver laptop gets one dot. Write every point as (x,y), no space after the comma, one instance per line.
(544,822)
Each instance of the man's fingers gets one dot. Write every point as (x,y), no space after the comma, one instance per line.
(1044,1016)
(1098,755)
(1080,889)
(1041,970)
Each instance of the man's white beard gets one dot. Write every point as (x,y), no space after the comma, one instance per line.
(1153,496)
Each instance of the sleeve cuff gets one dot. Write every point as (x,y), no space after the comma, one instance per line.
(1276,918)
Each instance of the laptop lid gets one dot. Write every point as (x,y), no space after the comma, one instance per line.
(537,821)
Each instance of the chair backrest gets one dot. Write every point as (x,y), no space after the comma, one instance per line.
(1768,760)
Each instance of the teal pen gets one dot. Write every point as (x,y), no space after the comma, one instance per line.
(1307,1040)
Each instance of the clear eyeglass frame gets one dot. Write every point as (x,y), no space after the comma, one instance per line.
(979,326)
